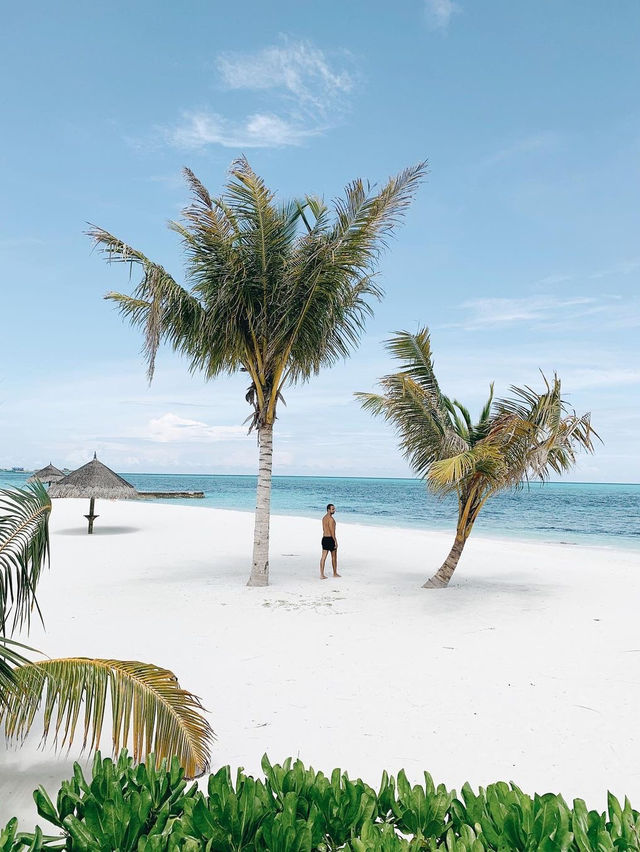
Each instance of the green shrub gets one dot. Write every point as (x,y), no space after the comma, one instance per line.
(149,808)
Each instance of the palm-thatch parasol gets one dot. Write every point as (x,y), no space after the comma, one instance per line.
(48,474)
(94,480)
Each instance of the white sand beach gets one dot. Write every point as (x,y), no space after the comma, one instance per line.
(527,668)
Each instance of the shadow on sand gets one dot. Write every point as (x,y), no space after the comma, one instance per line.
(19,778)
(99,531)
(498,585)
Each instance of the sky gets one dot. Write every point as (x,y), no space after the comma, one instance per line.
(521,251)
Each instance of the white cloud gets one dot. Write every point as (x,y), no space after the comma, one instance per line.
(299,69)
(553,279)
(554,312)
(591,377)
(256,131)
(625,267)
(544,140)
(21,243)
(302,94)
(170,428)
(495,311)
(440,12)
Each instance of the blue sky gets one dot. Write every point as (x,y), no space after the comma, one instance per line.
(521,251)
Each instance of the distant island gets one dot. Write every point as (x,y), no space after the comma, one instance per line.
(16,469)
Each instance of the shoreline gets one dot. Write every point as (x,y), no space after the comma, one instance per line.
(476,534)
(596,519)
(388,527)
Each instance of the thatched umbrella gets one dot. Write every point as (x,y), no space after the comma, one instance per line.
(48,474)
(94,480)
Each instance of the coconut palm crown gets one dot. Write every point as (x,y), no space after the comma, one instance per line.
(278,291)
(529,435)
(149,709)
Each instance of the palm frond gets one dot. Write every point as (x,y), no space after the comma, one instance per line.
(425,432)
(199,190)
(24,551)
(486,411)
(374,403)
(481,428)
(466,416)
(159,306)
(10,659)
(149,710)
(371,217)
(528,434)
(332,270)
(318,209)
(544,410)
(459,423)
(445,475)
(413,351)
(483,463)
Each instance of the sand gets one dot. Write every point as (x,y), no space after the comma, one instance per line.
(527,668)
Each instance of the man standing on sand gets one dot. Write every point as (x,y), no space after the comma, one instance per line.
(329,542)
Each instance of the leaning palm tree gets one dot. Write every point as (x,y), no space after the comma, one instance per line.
(149,710)
(278,291)
(529,435)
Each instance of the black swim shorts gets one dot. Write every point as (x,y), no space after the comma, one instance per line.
(328,543)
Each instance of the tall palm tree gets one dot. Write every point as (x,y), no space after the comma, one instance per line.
(275,290)
(529,435)
(149,710)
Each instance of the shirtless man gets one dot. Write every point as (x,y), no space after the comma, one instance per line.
(329,542)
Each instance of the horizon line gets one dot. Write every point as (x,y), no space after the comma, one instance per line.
(395,478)
(313,476)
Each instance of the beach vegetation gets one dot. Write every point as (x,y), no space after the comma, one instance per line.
(530,434)
(275,290)
(72,696)
(293,808)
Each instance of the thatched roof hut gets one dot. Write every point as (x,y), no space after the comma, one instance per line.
(92,480)
(47,474)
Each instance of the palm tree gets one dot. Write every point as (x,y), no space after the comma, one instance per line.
(278,291)
(529,435)
(148,707)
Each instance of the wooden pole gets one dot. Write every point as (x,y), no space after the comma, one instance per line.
(91,517)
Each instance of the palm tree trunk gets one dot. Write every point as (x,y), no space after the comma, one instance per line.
(445,572)
(260,566)
(469,506)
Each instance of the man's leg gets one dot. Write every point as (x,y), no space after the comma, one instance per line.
(334,562)
(323,559)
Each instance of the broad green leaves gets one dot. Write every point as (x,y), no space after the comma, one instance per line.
(296,809)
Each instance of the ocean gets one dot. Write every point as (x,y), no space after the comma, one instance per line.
(601,514)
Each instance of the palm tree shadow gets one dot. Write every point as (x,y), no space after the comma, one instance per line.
(497,585)
(222,569)
(99,531)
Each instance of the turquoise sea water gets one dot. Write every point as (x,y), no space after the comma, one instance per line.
(575,513)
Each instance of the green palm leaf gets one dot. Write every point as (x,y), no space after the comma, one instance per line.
(24,550)
(160,306)
(10,659)
(149,710)
(413,351)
